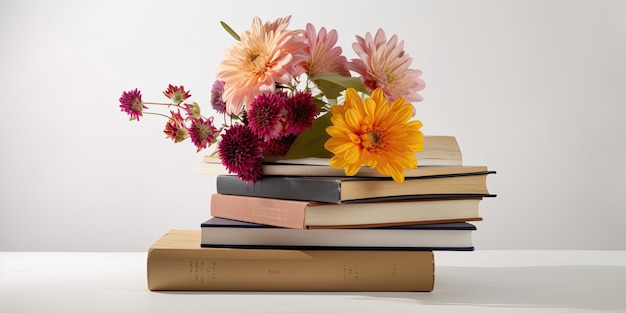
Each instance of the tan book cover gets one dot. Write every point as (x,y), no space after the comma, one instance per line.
(177,262)
(317,215)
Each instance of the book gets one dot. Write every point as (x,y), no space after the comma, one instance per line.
(226,233)
(314,215)
(176,262)
(439,151)
(215,167)
(355,189)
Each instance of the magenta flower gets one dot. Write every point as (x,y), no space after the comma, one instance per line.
(271,85)
(385,64)
(131,103)
(175,127)
(324,56)
(217,102)
(176,94)
(240,151)
(301,112)
(265,115)
(192,111)
(278,146)
(202,132)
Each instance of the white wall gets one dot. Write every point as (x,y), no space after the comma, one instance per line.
(533,89)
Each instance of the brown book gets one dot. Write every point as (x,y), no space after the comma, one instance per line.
(177,262)
(441,155)
(314,215)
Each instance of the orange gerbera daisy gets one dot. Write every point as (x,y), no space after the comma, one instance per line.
(374,133)
(267,54)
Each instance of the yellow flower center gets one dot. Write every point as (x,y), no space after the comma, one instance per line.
(258,63)
(389,78)
(372,138)
(137,105)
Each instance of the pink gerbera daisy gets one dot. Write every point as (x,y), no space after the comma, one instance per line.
(384,64)
(266,55)
(324,57)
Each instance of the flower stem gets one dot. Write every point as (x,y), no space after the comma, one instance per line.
(161,103)
(160,114)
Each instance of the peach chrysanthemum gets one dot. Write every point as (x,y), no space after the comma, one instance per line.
(267,54)
(384,64)
(374,133)
(324,56)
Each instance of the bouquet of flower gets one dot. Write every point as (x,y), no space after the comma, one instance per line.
(291,94)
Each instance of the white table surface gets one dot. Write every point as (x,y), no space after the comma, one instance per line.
(478,281)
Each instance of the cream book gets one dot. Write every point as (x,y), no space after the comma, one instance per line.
(227,233)
(441,153)
(176,262)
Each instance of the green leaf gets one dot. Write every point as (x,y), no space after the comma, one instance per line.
(230,31)
(320,104)
(332,84)
(311,142)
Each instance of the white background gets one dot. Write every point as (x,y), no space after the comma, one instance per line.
(533,89)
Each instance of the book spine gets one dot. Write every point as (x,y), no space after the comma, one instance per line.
(278,187)
(282,213)
(207,270)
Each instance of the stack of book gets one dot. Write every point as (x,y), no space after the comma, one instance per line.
(305,226)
